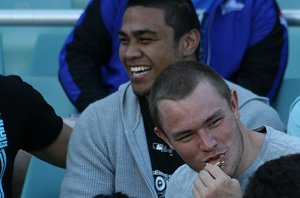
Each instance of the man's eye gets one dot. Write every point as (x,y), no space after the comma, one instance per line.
(184,138)
(124,41)
(145,40)
(214,123)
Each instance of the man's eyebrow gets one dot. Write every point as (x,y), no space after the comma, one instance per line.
(213,116)
(145,31)
(138,33)
(121,33)
(177,134)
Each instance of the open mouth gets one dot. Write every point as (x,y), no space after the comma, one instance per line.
(139,70)
(216,159)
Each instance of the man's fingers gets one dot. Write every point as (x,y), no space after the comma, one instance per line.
(199,189)
(206,178)
(215,171)
(196,193)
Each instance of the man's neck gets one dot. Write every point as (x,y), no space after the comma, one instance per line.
(253,142)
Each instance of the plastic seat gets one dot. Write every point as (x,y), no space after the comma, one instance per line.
(293,68)
(53,93)
(290,86)
(42,180)
(35,4)
(79,4)
(289,90)
(2,70)
(289,4)
(45,59)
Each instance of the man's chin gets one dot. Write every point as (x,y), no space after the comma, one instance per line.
(141,93)
(197,167)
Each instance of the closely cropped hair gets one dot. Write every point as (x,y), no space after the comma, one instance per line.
(177,81)
(179,14)
(278,178)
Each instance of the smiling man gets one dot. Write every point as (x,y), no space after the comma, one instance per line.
(198,116)
(113,147)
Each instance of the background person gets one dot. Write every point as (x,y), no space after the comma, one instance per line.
(243,40)
(27,122)
(276,178)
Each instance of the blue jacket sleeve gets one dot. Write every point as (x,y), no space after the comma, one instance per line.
(264,62)
(87,48)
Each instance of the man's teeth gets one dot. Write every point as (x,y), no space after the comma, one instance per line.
(140,70)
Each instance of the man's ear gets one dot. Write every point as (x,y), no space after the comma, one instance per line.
(190,43)
(162,136)
(235,103)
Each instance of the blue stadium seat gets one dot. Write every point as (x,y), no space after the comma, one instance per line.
(79,4)
(289,90)
(45,59)
(293,68)
(53,93)
(289,4)
(42,180)
(2,70)
(35,4)
(290,86)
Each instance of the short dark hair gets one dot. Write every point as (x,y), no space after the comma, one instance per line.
(179,14)
(278,178)
(177,81)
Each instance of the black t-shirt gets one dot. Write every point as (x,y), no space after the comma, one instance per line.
(26,122)
(164,160)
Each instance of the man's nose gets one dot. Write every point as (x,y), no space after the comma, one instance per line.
(206,140)
(133,51)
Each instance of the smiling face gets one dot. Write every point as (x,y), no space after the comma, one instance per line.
(146,46)
(203,128)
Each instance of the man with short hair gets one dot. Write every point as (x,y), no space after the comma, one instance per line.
(113,147)
(245,41)
(197,115)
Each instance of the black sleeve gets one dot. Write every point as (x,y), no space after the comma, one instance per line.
(261,63)
(43,125)
(89,48)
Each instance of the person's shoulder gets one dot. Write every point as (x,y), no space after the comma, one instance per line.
(102,106)
(11,80)
(112,104)
(13,84)
(245,95)
(183,172)
(285,140)
(181,182)
(123,91)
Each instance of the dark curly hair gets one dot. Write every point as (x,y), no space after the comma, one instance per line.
(114,195)
(278,178)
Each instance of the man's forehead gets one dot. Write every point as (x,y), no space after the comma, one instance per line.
(145,9)
(144,17)
(138,33)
